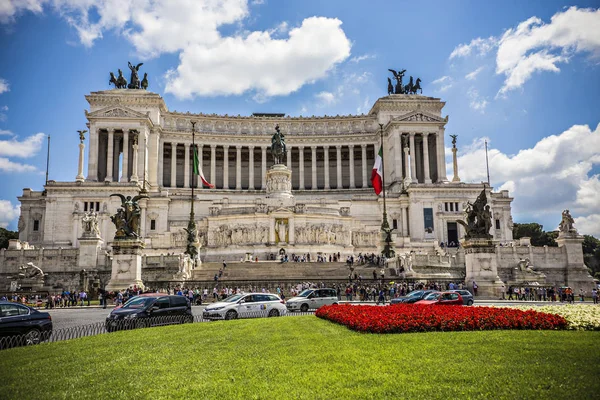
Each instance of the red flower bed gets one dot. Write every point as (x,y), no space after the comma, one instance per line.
(400,318)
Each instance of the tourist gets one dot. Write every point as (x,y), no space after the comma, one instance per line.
(595,296)
(582,295)
(475,287)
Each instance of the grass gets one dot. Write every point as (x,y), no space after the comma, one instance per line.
(305,358)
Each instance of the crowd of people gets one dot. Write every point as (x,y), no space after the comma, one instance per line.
(551,294)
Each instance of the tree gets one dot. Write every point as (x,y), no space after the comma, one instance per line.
(591,255)
(5,236)
(536,232)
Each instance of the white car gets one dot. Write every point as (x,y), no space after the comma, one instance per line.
(248,305)
(312,299)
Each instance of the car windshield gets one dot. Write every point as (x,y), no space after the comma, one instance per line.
(416,293)
(305,293)
(233,299)
(432,296)
(139,302)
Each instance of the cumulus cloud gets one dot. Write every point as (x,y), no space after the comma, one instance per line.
(477,102)
(326,98)
(8,213)
(26,148)
(4,87)
(8,166)
(552,176)
(535,46)
(10,9)
(209,63)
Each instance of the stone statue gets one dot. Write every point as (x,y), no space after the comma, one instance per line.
(278,149)
(90,224)
(525,266)
(282,230)
(192,241)
(121,81)
(454,140)
(398,77)
(566,224)
(113,80)
(82,135)
(127,218)
(417,87)
(31,271)
(145,81)
(479,218)
(408,89)
(134,82)
(390,86)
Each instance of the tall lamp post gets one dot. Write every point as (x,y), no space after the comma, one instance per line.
(192,233)
(388,251)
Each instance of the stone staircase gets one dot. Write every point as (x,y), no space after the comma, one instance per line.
(275,270)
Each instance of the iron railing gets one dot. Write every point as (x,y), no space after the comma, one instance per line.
(35,336)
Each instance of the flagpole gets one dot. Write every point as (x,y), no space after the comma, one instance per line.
(195,152)
(385,226)
(47,160)
(192,234)
(487,164)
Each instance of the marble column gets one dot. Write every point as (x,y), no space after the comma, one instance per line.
(263,161)
(238,167)
(413,165)
(251,168)
(301,166)
(116,154)
(161,161)
(351,154)
(109,155)
(397,157)
(288,157)
(365,181)
(338,172)
(93,153)
(173,164)
(226,167)
(426,157)
(326,166)
(441,156)
(186,165)
(314,167)
(125,172)
(213,164)
(80,177)
(404,221)
(407,174)
(134,170)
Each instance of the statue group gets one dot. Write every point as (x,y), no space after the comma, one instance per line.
(134,82)
(566,224)
(412,88)
(127,218)
(479,218)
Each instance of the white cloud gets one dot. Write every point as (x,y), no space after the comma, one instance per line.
(446,83)
(4,108)
(9,9)
(209,63)
(589,225)
(472,75)
(327,98)
(8,166)
(546,179)
(8,213)
(6,132)
(477,102)
(24,149)
(441,80)
(4,87)
(479,45)
(362,58)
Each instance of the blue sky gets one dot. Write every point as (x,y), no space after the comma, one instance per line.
(525,76)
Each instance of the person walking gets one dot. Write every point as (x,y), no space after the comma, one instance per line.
(595,295)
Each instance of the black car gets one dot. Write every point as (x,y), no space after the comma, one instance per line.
(412,297)
(150,309)
(17,319)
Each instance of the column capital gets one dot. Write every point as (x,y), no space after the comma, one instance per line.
(412,133)
(226,147)
(238,146)
(351,146)
(326,147)
(363,145)
(251,147)
(174,144)
(213,146)
(187,145)
(425,134)
(338,146)
(300,147)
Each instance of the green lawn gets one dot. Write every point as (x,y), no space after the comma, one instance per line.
(305,358)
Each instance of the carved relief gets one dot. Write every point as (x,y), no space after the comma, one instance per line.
(365,239)
(322,234)
(344,211)
(226,235)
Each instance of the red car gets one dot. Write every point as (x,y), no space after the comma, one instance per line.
(445,299)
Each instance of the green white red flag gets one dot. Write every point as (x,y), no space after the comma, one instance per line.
(376,174)
(198,170)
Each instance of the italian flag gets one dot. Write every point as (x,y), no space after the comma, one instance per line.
(376,174)
(198,170)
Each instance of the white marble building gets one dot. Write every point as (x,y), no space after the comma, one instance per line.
(135,141)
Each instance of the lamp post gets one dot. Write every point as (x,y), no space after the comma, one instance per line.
(192,234)
(387,252)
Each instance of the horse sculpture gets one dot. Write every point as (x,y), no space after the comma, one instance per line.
(113,80)
(145,81)
(390,87)
(121,81)
(409,88)
(417,86)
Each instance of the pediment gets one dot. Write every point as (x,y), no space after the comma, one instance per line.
(420,116)
(116,112)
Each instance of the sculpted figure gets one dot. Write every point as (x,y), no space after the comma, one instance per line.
(398,77)
(127,219)
(121,81)
(31,271)
(278,149)
(566,224)
(134,82)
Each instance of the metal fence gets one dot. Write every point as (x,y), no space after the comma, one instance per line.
(112,325)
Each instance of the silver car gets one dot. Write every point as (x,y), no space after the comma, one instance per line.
(312,299)
(248,305)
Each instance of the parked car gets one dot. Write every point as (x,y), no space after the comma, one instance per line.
(150,309)
(444,299)
(412,297)
(246,306)
(467,296)
(312,299)
(18,319)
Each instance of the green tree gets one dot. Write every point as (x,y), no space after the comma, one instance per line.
(5,236)
(591,255)
(536,232)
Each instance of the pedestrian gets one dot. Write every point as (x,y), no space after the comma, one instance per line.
(475,288)
(595,295)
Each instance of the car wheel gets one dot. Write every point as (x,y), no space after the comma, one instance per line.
(231,314)
(142,324)
(470,302)
(33,337)
(304,307)
(274,313)
(334,304)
